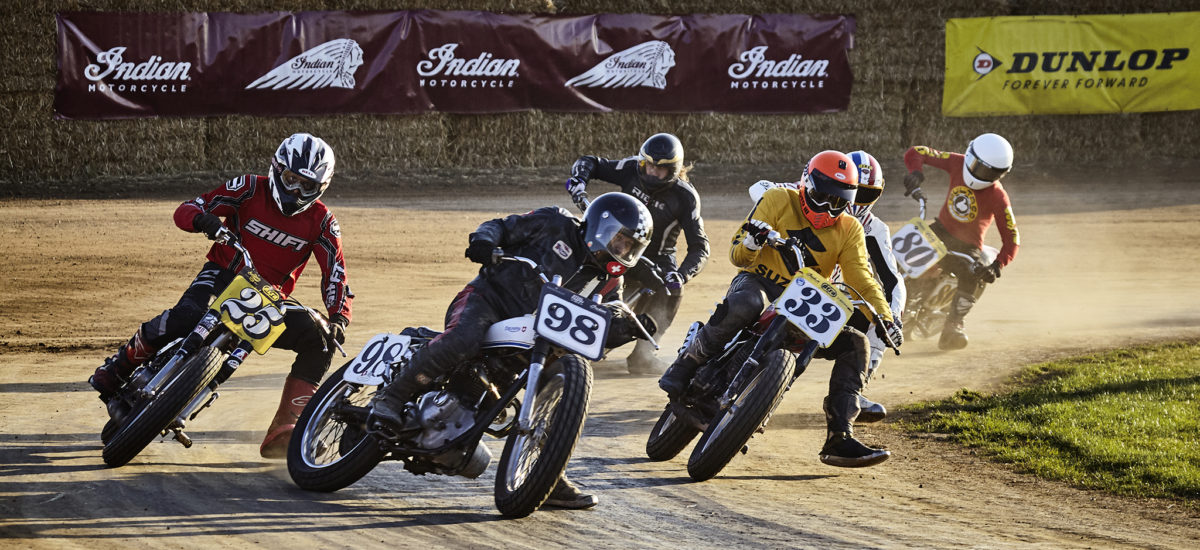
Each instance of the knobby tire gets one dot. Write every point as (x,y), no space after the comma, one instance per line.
(359,452)
(669,436)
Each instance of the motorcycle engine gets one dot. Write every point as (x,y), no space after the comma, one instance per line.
(443,417)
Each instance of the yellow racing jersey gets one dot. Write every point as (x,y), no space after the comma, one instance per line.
(842,243)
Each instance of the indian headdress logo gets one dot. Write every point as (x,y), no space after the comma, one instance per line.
(645,64)
(330,64)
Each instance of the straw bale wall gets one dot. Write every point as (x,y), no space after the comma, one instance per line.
(897,60)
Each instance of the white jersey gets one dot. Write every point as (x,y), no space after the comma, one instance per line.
(883,263)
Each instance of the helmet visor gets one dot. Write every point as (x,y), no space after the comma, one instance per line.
(296,183)
(981,170)
(828,195)
(867,195)
(622,244)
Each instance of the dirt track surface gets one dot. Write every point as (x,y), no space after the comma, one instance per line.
(1098,269)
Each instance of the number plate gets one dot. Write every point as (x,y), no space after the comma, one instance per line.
(369,366)
(814,306)
(917,248)
(249,306)
(572,322)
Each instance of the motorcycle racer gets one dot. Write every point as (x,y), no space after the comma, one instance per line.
(280,219)
(883,265)
(975,198)
(811,214)
(590,256)
(657,177)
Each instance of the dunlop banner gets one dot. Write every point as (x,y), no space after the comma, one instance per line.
(120,65)
(1072,64)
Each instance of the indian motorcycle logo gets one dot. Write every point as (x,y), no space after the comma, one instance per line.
(645,64)
(444,69)
(331,64)
(754,71)
(111,72)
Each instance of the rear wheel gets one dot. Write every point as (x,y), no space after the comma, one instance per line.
(729,432)
(669,436)
(532,462)
(330,448)
(148,419)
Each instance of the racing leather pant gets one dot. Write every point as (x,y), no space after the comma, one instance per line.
(745,301)
(467,321)
(970,288)
(659,306)
(302,335)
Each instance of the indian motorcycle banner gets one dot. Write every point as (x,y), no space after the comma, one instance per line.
(121,65)
(1072,64)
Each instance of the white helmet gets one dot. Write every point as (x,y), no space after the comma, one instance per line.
(870,184)
(988,158)
(300,172)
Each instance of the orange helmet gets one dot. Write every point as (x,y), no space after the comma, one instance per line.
(828,186)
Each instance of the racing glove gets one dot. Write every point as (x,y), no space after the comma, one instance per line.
(891,330)
(577,188)
(208,224)
(987,273)
(674,280)
(756,234)
(337,328)
(482,252)
(912,184)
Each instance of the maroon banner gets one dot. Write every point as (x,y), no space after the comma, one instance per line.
(121,65)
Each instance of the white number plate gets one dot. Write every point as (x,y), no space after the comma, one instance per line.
(572,322)
(917,248)
(372,362)
(814,306)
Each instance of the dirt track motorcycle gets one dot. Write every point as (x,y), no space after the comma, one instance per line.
(919,253)
(181,380)
(732,395)
(531,384)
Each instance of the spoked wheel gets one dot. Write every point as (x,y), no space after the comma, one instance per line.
(732,429)
(669,436)
(533,461)
(149,419)
(330,448)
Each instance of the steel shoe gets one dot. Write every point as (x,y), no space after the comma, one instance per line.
(843,451)
(567,495)
(869,411)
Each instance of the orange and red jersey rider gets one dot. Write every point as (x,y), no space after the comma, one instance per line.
(968,213)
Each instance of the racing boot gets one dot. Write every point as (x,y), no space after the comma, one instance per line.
(953,336)
(567,495)
(841,448)
(296,393)
(388,406)
(869,411)
(115,371)
(642,360)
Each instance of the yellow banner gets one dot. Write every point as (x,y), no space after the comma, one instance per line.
(1072,64)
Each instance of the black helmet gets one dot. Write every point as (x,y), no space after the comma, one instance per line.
(660,150)
(617,227)
(300,172)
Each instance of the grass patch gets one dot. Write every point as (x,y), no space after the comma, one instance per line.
(1125,421)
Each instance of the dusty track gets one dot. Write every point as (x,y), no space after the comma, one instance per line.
(1098,269)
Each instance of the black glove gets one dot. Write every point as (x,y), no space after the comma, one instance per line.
(208,224)
(987,273)
(577,188)
(912,183)
(756,234)
(482,252)
(337,328)
(673,281)
(892,330)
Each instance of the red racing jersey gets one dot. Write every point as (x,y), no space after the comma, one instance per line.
(280,245)
(968,213)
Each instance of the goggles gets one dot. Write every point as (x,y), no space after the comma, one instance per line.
(296,183)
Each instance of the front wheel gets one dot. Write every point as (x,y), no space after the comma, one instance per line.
(532,462)
(669,436)
(733,427)
(330,448)
(150,418)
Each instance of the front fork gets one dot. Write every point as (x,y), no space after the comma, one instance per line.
(537,359)
(768,341)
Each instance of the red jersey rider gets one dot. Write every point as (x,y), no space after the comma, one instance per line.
(281,221)
(976,197)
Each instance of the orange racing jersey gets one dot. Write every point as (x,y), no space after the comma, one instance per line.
(841,244)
